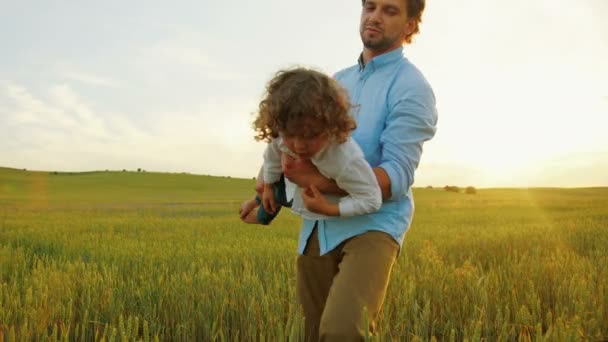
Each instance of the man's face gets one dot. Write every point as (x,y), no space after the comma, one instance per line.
(384,24)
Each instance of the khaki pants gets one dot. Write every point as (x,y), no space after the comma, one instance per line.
(334,289)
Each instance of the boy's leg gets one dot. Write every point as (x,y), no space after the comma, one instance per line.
(314,278)
(280,192)
(361,282)
(264,217)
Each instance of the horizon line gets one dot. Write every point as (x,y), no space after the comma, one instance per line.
(433,187)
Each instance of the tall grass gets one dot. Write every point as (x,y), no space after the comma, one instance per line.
(143,256)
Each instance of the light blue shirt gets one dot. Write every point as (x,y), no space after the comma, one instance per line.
(394,107)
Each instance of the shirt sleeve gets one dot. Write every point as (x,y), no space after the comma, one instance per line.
(411,121)
(359,181)
(272,162)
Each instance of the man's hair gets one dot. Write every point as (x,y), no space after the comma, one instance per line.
(414,11)
(304,103)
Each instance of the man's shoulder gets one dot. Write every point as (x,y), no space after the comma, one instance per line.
(346,72)
(409,77)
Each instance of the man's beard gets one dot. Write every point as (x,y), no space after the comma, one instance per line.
(380,45)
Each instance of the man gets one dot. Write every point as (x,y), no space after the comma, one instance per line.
(345,264)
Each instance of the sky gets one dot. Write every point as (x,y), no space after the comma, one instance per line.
(521,85)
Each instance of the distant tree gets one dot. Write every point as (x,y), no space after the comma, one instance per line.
(470,190)
(429,187)
(139,170)
(123,170)
(451,188)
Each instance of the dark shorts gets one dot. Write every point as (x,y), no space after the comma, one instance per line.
(280,197)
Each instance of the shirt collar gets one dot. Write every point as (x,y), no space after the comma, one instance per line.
(381,60)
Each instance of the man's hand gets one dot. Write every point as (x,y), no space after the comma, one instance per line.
(247,207)
(270,204)
(299,171)
(248,211)
(316,202)
(304,173)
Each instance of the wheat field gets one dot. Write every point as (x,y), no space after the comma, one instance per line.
(141,256)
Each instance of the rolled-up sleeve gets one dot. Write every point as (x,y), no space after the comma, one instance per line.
(411,121)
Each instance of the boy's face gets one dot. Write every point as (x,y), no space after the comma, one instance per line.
(307,140)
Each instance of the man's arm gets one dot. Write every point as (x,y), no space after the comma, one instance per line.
(304,174)
(411,121)
(384,181)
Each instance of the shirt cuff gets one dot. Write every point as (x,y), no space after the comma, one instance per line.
(397,191)
(347,208)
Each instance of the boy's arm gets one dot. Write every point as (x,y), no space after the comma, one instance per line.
(304,174)
(271,174)
(268,200)
(272,163)
(259,182)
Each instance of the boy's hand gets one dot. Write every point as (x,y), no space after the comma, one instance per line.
(316,202)
(270,205)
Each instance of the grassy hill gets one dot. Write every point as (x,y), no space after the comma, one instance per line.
(117,188)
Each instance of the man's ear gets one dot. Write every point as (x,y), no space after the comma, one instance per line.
(410,27)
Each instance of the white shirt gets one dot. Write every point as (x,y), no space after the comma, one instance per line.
(345,164)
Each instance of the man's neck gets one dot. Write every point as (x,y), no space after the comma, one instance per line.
(368,54)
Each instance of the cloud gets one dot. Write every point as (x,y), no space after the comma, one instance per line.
(187,52)
(58,117)
(90,79)
(175,51)
(57,129)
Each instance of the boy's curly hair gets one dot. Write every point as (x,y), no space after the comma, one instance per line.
(304,103)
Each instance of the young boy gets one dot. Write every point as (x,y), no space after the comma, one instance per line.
(305,114)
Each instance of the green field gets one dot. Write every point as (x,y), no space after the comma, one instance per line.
(144,256)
